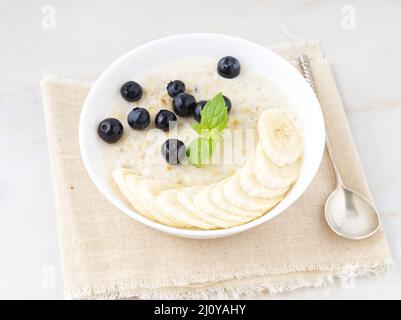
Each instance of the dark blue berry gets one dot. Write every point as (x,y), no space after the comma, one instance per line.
(110,130)
(131,91)
(138,118)
(173,150)
(228,67)
(165,120)
(228,103)
(184,104)
(175,87)
(199,106)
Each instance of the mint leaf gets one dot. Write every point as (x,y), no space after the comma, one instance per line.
(212,146)
(197,127)
(214,119)
(214,114)
(213,134)
(200,150)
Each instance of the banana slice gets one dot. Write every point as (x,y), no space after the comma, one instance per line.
(252,187)
(119,178)
(168,203)
(234,194)
(281,139)
(144,191)
(218,198)
(271,176)
(202,199)
(185,198)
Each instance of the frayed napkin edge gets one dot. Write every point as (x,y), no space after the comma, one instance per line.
(223,288)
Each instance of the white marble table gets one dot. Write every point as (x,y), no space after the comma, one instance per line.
(79,39)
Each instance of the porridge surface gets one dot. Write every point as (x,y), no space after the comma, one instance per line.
(139,151)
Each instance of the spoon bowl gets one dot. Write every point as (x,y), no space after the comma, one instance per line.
(350,215)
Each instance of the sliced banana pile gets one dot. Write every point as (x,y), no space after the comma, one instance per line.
(251,192)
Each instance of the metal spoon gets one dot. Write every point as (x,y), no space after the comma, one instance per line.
(347,212)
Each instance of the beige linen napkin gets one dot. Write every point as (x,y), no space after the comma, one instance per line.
(106,254)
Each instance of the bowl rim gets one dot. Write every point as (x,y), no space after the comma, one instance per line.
(189,233)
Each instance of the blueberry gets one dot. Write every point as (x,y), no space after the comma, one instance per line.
(110,130)
(173,150)
(228,67)
(228,103)
(184,104)
(131,91)
(198,109)
(175,87)
(138,118)
(165,119)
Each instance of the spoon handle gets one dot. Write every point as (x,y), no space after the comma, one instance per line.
(307,73)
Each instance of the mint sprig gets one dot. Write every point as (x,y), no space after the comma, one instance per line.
(214,119)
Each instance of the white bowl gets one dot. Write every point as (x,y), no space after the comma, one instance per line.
(135,63)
